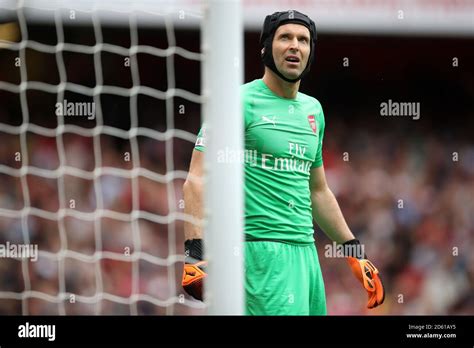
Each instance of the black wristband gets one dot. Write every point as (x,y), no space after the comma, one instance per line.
(193,248)
(353,248)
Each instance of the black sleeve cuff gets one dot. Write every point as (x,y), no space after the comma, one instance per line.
(353,248)
(194,248)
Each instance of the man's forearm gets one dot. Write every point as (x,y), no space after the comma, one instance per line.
(329,217)
(193,206)
(194,266)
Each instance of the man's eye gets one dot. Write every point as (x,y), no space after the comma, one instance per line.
(304,40)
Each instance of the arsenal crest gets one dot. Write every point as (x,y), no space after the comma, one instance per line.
(312,123)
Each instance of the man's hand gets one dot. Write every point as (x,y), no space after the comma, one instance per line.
(368,275)
(194,266)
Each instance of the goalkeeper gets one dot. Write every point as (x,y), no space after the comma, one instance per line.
(285,185)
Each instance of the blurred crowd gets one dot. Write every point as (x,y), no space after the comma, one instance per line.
(408,198)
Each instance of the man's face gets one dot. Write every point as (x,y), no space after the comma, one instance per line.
(291,49)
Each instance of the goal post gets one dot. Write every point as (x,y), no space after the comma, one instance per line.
(222,48)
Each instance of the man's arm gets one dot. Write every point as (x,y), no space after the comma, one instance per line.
(326,210)
(194,266)
(329,217)
(193,196)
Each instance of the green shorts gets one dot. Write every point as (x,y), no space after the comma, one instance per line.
(283,279)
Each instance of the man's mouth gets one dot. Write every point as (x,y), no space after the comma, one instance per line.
(292,59)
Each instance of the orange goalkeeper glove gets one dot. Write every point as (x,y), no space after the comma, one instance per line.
(193,273)
(367,274)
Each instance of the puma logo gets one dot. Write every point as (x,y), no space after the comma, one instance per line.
(268,120)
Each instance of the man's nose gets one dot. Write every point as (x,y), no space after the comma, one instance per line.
(294,44)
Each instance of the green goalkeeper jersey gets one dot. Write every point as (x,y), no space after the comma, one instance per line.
(283,142)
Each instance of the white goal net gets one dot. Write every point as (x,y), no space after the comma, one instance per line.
(97,124)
